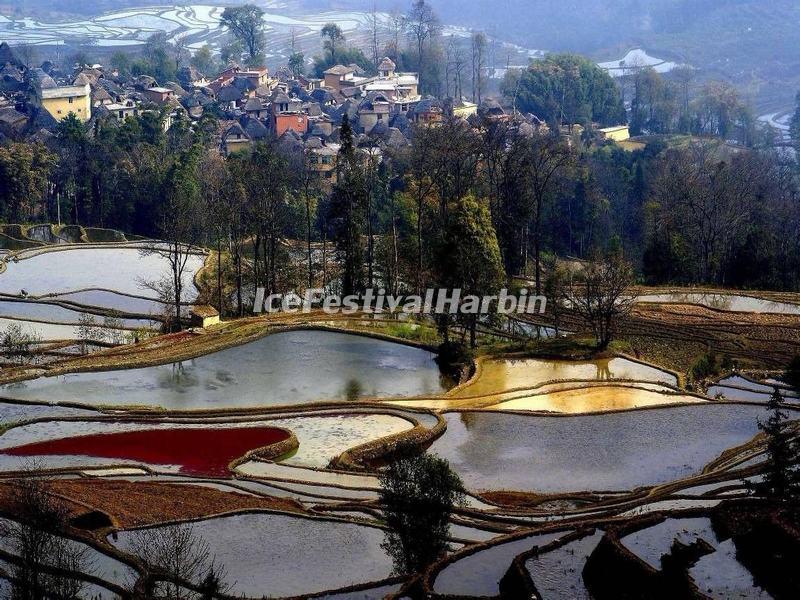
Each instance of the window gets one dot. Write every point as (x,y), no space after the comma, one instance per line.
(71,99)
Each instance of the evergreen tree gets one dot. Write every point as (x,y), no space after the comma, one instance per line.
(780,481)
(347,213)
(419,492)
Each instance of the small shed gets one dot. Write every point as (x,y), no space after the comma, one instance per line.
(204,315)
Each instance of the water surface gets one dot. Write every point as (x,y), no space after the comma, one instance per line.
(284,368)
(617,451)
(284,555)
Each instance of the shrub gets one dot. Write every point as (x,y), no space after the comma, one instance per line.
(706,366)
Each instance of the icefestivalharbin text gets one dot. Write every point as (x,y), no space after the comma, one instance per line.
(440,301)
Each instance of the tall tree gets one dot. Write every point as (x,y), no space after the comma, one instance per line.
(180,228)
(25,171)
(781,479)
(479,44)
(333,37)
(602,295)
(422,26)
(468,257)
(347,212)
(247,25)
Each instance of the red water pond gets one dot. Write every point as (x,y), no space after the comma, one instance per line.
(197,451)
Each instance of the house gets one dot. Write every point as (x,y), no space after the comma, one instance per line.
(61,101)
(322,160)
(427,112)
(257,76)
(373,110)
(204,315)
(122,110)
(235,139)
(296,121)
(338,77)
(620,133)
(12,122)
(159,95)
(255,108)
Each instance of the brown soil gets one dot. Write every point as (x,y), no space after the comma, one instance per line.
(134,504)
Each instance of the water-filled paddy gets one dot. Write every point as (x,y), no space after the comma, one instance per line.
(730,302)
(651,543)
(558,574)
(195,451)
(617,451)
(497,375)
(119,269)
(594,399)
(113,301)
(259,552)
(82,443)
(479,574)
(284,368)
(52,313)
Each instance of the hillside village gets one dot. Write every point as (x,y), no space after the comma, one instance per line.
(247,104)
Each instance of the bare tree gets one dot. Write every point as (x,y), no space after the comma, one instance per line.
(422,25)
(374,35)
(179,224)
(602,295)
(176,556)
(478,64)
(18,344)
(48,563)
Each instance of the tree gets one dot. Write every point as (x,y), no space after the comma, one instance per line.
(332,37)
(602,295)
(247,25)
(121,61)
(422,26)
(468,257)
(47,559)
(18,344)
(545,158)
(179,227)
(418,493)
(347,212)
(781,480)
(297,64)
(176,554)
(25,171)
(705,200)
(566,89)
(478,64)
(794,128)
(203,59)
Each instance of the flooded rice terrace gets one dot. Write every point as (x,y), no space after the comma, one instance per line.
(277,431)
(280,369)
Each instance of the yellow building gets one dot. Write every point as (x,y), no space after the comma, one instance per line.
(60,101)
(620,133)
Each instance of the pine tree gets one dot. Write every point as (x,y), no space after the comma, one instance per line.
(780,480)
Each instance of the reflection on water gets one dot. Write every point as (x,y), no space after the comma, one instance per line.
(617,451)
(284,368)
(259,553)
(499,375)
